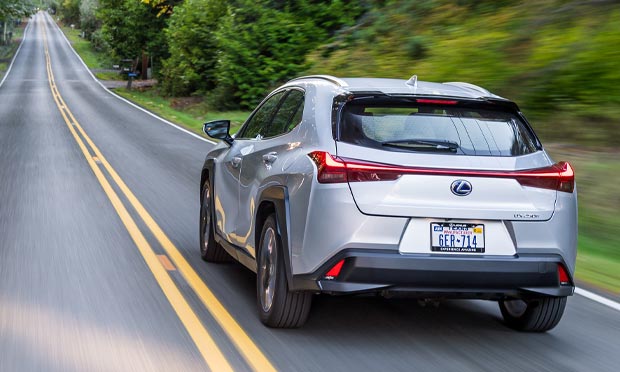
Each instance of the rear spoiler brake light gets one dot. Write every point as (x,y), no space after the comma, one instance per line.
(333,169)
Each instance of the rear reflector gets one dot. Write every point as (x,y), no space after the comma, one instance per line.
(332,169)
(562,275)
(335,270)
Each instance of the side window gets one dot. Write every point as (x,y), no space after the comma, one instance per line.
(260,120)
(289,114)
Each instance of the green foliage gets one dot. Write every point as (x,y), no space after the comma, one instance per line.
(88,20)
(193,47)
(70,11)
(263,43)
(131,27)
(559,60)
(15,9)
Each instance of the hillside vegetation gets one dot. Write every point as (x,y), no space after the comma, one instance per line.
(560,60)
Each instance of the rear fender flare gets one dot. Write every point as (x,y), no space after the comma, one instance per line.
(278,197)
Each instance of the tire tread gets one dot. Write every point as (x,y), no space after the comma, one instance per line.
(541,315)
(289,309)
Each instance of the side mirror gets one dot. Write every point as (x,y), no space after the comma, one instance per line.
(218,129)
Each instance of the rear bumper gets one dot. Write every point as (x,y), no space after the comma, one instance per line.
(421,275)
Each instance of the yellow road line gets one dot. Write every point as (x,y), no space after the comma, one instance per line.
(204,342)
(250,351)
(246,346)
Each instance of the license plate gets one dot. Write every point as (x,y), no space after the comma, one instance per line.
(457,237)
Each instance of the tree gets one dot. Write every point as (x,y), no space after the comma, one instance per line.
(70,11)
(263,43)
(88,20)
(193,47)
(12,10)
(132,28)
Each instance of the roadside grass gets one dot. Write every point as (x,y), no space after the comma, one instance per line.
(192,116)
(94,60)
(597,172)
(8,51)
(598,176)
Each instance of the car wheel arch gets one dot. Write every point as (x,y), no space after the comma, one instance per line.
(274,200)
(206,174)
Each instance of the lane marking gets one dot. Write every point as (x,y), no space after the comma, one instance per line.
(165,262)
(246,346)
(600,299)
(248,349)
(126,100)
(204,342)
(16,53)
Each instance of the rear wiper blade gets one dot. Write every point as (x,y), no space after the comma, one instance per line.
(416,143)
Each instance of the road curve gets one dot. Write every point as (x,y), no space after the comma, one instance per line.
(77,294)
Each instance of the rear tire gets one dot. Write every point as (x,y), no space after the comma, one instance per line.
(537,315)
(277,306)
(210,250)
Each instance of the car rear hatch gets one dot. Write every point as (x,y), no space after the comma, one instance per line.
(445,159)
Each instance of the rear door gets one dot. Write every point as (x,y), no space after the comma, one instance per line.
(476,146)
(246,143)
(265,162)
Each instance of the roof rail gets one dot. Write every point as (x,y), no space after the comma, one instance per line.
(331,79)
(469,86)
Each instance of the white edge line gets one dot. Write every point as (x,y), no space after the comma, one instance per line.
(6,74)
(600,299)
(124,99)
(580,291)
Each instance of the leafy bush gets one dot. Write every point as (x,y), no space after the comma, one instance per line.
(193,47)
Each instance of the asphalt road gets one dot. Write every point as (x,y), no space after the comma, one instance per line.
(77,291)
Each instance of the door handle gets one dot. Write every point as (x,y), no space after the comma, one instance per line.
(268,159)
(236,161)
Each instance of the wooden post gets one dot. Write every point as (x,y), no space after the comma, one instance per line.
(145,65)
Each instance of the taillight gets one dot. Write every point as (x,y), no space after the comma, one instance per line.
(559,177)
(332,169)
(335,270)
(563,275)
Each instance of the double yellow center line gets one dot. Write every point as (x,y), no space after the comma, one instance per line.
(207,347)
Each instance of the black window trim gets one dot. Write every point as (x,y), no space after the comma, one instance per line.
(280,105)
(286,91)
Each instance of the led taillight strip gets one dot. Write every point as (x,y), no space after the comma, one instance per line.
(332,169)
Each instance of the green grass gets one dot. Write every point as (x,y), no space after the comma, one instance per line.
(191,116)
(8,51)
(92,58)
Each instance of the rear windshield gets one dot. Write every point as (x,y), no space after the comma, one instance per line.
(439,129)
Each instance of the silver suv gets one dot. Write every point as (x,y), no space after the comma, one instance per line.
(349,186)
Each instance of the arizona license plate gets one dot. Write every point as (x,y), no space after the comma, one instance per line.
(457,237)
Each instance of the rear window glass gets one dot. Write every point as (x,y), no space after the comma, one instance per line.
(439,129)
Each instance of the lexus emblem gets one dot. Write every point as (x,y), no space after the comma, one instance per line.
(461,188)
